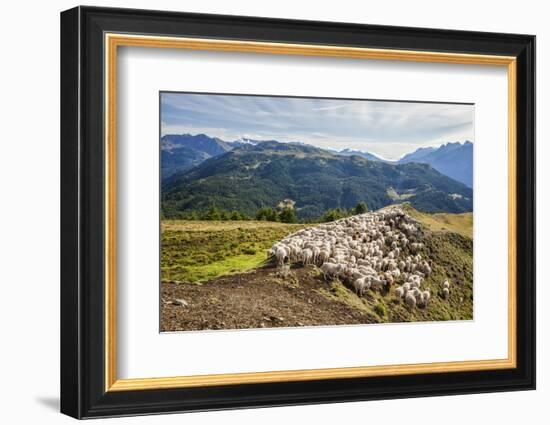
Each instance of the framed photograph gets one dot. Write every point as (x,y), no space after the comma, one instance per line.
(261,212)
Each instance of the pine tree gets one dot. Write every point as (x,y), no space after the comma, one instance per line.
(287,215)
(361,208)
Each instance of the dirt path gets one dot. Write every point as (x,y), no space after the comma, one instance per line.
(259,299)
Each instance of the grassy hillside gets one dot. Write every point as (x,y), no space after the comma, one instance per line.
(196,251)
(458,223)
(220,268)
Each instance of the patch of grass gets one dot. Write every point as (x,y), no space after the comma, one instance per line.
(380,309)
(457,223)
(198,251)
(450,255)
(340,293)
(231,265)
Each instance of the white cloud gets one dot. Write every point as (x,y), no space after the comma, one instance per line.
(388,129)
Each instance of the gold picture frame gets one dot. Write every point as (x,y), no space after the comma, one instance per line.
(114,41)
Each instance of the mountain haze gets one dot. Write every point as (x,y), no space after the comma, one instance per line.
(452,159)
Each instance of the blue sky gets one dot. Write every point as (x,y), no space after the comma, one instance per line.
(387,129)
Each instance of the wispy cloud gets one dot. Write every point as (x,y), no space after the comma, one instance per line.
(389,129)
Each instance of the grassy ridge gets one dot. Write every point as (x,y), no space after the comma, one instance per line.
(196,251)
(457,223)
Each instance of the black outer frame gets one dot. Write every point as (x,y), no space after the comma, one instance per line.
(82,212)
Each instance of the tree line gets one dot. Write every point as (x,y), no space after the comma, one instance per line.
(282,215)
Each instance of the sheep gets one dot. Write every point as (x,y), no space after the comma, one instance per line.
(426,296)
(359,285)
(370,250)
(399,292)
(426,269)
(446,284)
(363,262)
(330,270)
(316,252)
(446,293)
(377,283)
(281,254)
(410,300)
(323,256)
(415,247)
(307,256)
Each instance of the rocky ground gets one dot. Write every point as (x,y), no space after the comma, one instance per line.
(258,299)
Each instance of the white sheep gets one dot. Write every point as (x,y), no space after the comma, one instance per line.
(415,247)
(307,256)
(359,285)
(330,270)
(410,300)
(426,295)
(281,254)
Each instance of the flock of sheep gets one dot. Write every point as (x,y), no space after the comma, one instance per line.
(376,250)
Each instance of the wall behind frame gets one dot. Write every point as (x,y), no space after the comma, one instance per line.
(29,219)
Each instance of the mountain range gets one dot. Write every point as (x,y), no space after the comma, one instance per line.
(452,159)
(250,176)
(181,152)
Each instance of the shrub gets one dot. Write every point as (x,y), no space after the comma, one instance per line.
(287,215)
(361,208)
(236,215)
(267,214)
(334,214)
(212,214)
(380,309)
